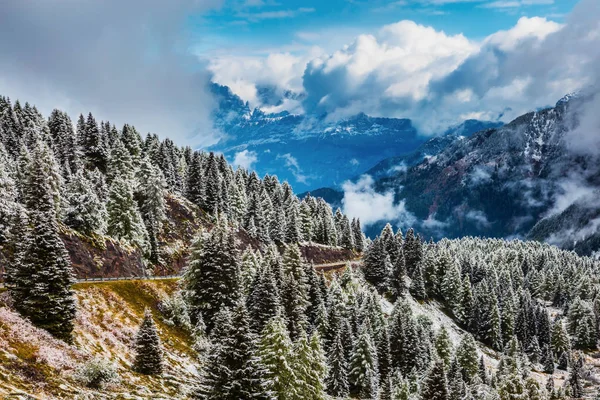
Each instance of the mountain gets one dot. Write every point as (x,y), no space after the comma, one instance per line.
(312,151)
(505,182)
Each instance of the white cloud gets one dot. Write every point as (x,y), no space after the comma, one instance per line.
(479,218)
(245,159)
(294,167)
(525,29)
(361,201)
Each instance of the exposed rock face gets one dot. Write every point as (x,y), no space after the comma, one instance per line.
(105,258)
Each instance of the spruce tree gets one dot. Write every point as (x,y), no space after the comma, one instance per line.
(212,274)
(364,374)
(85,212)
(277,356)
(148,348)
(443,346)
(41,282)
(124,218)
(466,355)
(337,379)
(435,384)
(375,265)
(295,291)
(233,370)
(310,368)
(575,376)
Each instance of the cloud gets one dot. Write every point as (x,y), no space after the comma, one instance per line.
(244,74)
(294,167)
(531,65)
(124,61)
(245,159)
(382,73)
(479,218)
(275,14)
(361,201)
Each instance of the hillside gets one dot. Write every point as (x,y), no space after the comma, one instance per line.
(500,182)
(32,363)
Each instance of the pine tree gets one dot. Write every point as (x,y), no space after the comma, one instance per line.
(85,212)
(413,251)
(233,369)
(148,348)
(295,292)
(359,240)
(443,346)
(124,219)
(310,368)
(91,143)
(560,339)
(398,278)
(337,380)
(41,282)
(375,265)
(364,374)
(547,359)
(435,384)
(212,274)
(276,355)
(417,286)
(451,287)
(152,204)
(575,376)
(466,355)
(263,301)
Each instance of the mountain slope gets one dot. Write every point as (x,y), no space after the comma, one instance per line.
(499,182)
(312,151)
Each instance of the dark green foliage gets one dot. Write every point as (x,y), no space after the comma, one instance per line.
(148,348)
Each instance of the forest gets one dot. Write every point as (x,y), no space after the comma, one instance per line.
(524,317)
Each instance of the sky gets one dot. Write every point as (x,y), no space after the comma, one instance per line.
(148,62)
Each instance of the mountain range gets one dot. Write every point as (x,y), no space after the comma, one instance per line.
(312,151)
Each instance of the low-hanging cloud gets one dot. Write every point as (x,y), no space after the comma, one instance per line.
(362,201)
(126,61)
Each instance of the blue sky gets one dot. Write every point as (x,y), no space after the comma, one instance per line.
(438,62)
(259,25)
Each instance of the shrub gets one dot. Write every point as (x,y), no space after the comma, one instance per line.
(175,310)
(97,373)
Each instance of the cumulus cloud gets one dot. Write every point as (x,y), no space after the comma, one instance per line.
(437,79)
(245,159)
(378,73)
(124,61)
(533,64)
(361,201)
(245,74)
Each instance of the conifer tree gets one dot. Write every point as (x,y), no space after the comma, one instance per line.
(124,218)
(263,301)
(375,265)
(85,212)
(359,240)
(364,374)
(212,274)
(41,282)
(233,369)
(547,359)
(443,346)
(466,355)
(295,292)
(560,339)
(91,143)
(152,204)
(148,348)
(337,379)
(417,286)
(575,376)
(310,367)
(277,356)
(413,251)
(435,384)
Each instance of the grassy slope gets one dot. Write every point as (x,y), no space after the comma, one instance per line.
(32,362)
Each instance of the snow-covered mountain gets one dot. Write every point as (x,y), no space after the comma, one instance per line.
(522,179)
(312,151)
